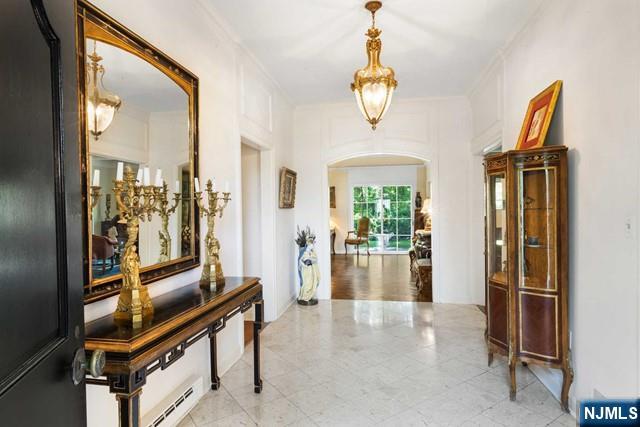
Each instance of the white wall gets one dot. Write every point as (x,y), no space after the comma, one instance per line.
(206,47)
(127,138)
(266,122)
(438,130)
(594,47)
(374,175)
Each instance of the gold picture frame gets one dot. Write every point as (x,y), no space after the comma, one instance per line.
(93,23)
(538,118)
(288,179)
(332,197)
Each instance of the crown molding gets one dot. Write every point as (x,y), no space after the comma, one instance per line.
(224,28)
(503,52)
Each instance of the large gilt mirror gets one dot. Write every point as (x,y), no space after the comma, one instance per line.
(138,111)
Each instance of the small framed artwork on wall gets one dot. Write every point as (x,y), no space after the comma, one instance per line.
(287,188)
(538,118)
(332,197)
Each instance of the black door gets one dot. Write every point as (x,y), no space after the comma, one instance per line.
(41,310)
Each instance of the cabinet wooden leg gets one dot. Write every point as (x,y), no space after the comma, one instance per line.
(489,358)
(512,379)
(215,379)
(567,379)
(129,408)
(257,326)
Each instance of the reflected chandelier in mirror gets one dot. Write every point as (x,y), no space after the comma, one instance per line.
(146,120)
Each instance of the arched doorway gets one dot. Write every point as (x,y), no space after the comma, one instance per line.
(388,244)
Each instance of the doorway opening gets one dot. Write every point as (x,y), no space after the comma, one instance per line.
(380,212)
(251,221)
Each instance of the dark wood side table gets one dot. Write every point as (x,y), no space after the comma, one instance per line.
(180,318)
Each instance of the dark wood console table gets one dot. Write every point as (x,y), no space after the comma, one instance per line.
(181,317)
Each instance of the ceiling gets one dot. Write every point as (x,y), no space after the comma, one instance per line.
(380,160)
(312,47)
(137,82)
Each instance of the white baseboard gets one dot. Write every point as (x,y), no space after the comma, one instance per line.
(286,307)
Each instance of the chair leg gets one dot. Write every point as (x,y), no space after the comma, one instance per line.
(345,249)
(368,248)
(358,249)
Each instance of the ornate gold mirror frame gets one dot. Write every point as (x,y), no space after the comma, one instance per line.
(94,24)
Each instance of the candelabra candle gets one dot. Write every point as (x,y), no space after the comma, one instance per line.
(135,203)
(95,195)
(212,274)
(164,208)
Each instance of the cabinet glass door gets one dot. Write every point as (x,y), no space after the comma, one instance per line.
(497,228)
(537,194)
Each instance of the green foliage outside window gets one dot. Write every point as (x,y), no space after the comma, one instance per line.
(389,211)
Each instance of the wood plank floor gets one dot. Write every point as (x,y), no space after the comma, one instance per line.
(375,277)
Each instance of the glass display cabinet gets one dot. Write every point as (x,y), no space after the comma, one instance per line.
(526,237)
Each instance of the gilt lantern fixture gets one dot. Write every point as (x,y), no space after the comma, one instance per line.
(102,105)
(374,84)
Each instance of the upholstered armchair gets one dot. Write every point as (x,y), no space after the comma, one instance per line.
(360,236)
(103,248)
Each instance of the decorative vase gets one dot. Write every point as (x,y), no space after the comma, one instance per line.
(418,200)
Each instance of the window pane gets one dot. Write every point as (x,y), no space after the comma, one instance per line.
(389,209)
(404,193)
(404,210)
(373,193)
(372,211)
(390,226)
(392,212)
(389,193)
(391,243)
(374,241)
(375,226)
(357,210)
(404,243)
(404,226)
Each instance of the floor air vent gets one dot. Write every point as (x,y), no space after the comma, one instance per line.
(172,409)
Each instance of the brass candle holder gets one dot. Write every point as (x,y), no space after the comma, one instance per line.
(212,274)
(165,210)
(135,203)
(95,195)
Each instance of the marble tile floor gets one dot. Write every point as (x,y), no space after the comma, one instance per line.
(365,363)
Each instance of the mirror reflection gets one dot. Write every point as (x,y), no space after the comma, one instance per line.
(137,116)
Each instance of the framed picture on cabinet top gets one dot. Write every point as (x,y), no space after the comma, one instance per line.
(538,117)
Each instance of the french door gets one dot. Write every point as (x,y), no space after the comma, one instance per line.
(388,208)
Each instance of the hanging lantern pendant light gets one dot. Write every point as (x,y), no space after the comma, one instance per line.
(374,84)
(101,104)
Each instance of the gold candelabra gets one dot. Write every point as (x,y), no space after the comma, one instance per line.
(135,203)
(212,274)
(164,209)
